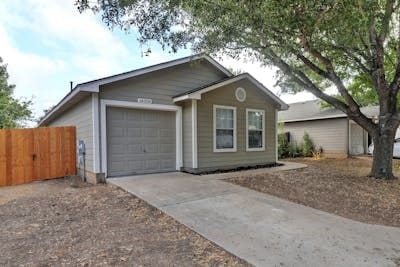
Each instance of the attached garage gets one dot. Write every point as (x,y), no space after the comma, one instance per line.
(140,141)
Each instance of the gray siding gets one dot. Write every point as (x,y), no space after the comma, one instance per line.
(187,134)
(80,116)
(330,134)
(256,99)
(162,85)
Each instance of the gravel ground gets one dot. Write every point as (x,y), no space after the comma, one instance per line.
(50,223)
(338,186)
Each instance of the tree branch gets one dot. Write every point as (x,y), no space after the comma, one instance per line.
(389,8)
(354,57)
(301,79)
(332,75)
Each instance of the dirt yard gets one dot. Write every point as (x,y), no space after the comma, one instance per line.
(50,223)
(338,186)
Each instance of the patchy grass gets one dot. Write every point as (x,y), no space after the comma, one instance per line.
(338,186)
(50,223)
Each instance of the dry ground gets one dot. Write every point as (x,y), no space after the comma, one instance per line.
(338,186)
(50,223)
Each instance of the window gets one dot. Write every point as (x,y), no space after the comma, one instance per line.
(224,129)
(255,130)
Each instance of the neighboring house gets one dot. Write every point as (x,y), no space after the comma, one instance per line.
(189,114)
(328,128)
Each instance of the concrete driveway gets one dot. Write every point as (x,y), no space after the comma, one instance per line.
(262,229)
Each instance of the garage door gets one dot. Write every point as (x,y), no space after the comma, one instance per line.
(140,141)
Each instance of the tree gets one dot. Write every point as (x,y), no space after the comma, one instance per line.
(13,112)
(45,111)
(315,45)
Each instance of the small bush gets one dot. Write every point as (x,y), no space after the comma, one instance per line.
(293,150)
(308,146)
(283,146)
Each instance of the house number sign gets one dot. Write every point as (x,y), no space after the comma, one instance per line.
(145,100)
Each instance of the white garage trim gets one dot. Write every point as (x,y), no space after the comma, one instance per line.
(134,105)
(96,141)
(194,134)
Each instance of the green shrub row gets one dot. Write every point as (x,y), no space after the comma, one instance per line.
(291,149)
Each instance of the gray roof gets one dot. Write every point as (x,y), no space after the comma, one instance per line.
(311,110)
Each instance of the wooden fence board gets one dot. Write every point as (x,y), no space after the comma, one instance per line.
(28,155)
(3,159)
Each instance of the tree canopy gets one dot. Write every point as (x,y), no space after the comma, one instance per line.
(13,112)
(350,45)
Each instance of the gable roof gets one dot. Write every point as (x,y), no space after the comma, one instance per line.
(311,110)
(84,89)
(196,93)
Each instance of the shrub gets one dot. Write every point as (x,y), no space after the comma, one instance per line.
(293,150)
(308,146)
(283,146)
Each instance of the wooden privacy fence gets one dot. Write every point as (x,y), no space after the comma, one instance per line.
(35,154)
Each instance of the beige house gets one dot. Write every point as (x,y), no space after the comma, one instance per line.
(328,128)
(189,114)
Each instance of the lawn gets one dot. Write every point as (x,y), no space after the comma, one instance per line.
(338,186)
(50,223)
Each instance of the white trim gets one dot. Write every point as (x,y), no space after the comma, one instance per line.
(96,132)
(215,129)
(134,105)
(237,94)
(197,94)
(317,118)
(247,130)
(276,135)
(349,137)
(194,134)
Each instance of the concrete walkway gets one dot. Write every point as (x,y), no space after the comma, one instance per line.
(262,229)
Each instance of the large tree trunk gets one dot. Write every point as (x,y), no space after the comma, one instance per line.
(383,154)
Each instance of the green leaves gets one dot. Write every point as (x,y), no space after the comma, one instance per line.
(315,44)
(13,112)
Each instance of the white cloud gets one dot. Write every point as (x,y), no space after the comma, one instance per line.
(28,71)
(48,43)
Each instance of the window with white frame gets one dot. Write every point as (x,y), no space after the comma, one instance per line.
(224,129)
(255,121)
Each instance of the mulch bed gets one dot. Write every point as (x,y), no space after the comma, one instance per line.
(339,186)
(244,168)
(95,225)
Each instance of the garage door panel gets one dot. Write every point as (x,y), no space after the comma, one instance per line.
(116,132)
(151,148)
(167,148)
(116,115)
(140,141)
(166,163)
(117,149)
(153,164)
(148,116)
(136,165)
(151,132)
(133,116)
(167,133)
(116,165)
(134,132)
(135,149)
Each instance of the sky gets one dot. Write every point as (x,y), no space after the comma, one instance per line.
(48,43)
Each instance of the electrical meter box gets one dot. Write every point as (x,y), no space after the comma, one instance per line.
(81,147)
